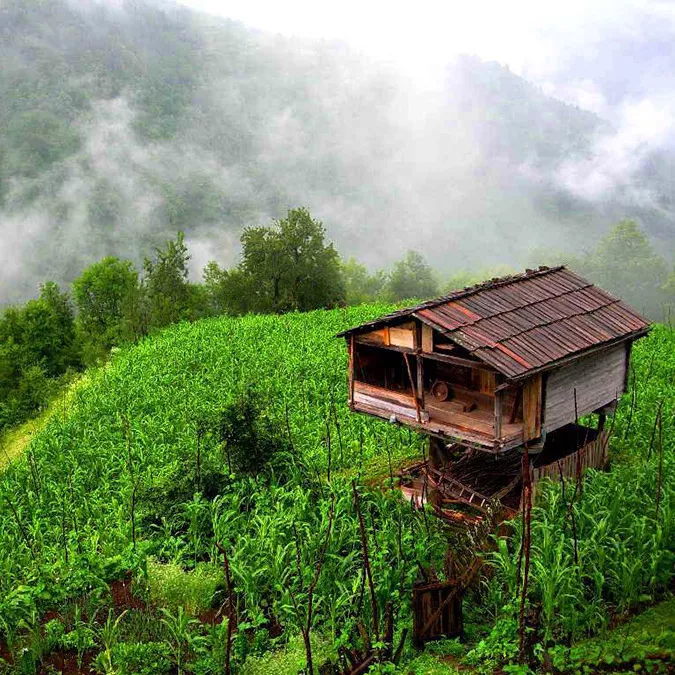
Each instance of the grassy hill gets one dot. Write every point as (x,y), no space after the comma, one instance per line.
(154,464)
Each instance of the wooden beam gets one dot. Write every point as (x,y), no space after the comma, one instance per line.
(444,432)
(503,386)
(458,361)
(382,345)
(384,394)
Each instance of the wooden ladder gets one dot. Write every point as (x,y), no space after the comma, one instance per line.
(458,491)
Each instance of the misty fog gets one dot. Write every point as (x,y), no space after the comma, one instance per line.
(175,120)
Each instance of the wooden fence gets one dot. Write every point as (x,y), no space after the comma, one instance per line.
(593,455)
(437,611)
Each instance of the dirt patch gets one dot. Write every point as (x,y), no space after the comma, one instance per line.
(66,662)
(212,617)
(5,654)
(122,595)
(122,598)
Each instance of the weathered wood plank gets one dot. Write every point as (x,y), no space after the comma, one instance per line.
(385,406)
(398,397)
(427,338)
(458,361)
(487,382)
(497,426)
(402,337)
(373,337)
(598,380)
(532,407)
(592,456)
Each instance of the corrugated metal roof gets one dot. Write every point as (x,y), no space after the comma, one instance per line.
(527,322)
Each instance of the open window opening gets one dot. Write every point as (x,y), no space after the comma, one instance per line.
(383,368)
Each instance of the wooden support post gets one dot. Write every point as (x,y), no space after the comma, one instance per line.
(517,400)
(420,366)
(352,367)
(412,386)
(498,412)
(626,374)
(420,382)
(601,422)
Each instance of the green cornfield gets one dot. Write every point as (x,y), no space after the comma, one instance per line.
(137,475)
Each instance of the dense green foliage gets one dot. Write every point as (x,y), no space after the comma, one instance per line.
(411,278)
(107,296)
(150,425)
(286,267)
(166,284)
(626,263)
(37,345)
(139,467)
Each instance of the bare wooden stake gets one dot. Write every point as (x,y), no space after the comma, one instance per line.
(336,420)
(657,421)
(329,448)
(231,607)
(288,430)
(659,475)
(366,561)
(527,507)
(306,626)
(24,534)
(633,403)
(63,528)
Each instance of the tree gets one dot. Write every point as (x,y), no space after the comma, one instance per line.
(411,278)
(289,267)
(106,294)
(227,291)
(166,284)
(251,442)
(361,286)
(626,265)
(46,330)
(37,344)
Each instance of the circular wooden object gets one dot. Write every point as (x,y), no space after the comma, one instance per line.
(441,390)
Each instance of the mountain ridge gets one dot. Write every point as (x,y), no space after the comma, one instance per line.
(121,125)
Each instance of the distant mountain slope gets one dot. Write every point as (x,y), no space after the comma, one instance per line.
(121,124)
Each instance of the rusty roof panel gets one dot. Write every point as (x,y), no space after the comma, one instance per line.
(526,322)
(437,319)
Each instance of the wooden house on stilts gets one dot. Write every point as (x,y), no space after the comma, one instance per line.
(488,369)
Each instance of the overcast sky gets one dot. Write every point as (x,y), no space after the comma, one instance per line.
(533,37)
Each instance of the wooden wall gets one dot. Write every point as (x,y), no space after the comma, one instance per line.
(598,380)
(402,335)
(532,408)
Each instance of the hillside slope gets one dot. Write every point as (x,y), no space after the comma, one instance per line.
(151,460)
(120,124)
